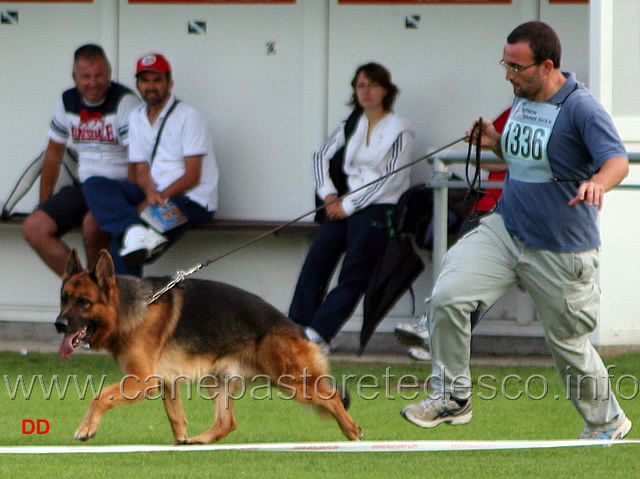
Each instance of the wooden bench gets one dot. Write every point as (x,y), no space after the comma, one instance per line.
(227,225)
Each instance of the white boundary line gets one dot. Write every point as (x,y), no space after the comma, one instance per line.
(360,446)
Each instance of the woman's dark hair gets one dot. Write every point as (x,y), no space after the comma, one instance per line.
(380,75)
(543,41)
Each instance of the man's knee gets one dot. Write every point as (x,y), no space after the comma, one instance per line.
(446,305)
(38,226)
(443,297)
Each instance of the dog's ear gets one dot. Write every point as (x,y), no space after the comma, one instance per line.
(104,271)
(73,265)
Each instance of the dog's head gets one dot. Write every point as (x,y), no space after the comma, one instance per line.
(87,304)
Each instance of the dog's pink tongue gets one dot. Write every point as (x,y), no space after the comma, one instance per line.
(66,348)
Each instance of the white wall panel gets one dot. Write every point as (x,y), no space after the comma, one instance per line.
(36,60)
(267,113)
(253,100)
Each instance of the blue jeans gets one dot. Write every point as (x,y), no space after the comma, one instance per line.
(114,203)
(361,238)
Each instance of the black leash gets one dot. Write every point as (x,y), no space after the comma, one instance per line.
(181,275)
(475,185)
(476,177)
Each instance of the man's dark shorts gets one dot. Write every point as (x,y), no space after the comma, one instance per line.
(67,208)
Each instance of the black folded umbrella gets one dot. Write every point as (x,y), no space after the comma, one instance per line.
(394,274)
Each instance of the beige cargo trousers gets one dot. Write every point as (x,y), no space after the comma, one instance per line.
(478,270)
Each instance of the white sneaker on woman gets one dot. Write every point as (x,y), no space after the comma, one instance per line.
(414,334)
(419,354)
(314,337)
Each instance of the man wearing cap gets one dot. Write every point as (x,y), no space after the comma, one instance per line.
(93,118)
(173,161)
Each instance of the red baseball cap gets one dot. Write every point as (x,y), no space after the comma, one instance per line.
(153,62)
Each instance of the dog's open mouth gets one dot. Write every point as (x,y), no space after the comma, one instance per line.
(72,341)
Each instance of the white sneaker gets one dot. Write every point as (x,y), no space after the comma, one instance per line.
(433,411)
(414,334)
(133,248)
(618,431)
(139,243)
(314,337)
(419,354)
(154,242)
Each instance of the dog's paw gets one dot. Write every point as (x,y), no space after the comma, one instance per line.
(356,434)
(83,436)
(197,440)
(184,440)
(85,432)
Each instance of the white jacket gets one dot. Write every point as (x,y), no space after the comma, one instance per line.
(390,147)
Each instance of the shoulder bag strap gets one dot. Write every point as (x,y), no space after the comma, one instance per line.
(164,120)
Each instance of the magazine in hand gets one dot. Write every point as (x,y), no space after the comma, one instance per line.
(163,217)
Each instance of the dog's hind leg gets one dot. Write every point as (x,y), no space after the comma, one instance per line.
(175,413)
(224,421)
(298,364)
(319,391)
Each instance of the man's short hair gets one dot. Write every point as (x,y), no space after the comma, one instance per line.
(90,51)
(543,41)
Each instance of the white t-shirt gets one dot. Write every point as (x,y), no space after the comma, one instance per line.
(99,133)
(185,134)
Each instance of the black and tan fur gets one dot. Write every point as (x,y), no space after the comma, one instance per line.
(197,328)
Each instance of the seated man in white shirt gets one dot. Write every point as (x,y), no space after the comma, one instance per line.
(172,152)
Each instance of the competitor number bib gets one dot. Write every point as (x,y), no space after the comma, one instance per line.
(525,140)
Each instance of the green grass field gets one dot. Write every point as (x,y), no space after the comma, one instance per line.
(531,406)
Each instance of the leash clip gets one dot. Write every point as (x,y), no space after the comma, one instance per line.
(179,277)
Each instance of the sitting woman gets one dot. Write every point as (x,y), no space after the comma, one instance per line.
(356,224)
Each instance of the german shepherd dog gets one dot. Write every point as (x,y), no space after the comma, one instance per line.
(198,328)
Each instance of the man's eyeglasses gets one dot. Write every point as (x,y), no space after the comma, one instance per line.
(512,68)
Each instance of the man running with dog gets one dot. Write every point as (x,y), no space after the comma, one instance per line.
(563,154)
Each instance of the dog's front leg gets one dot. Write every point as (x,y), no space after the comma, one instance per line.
(224,421)
(131,389)
(175,413)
